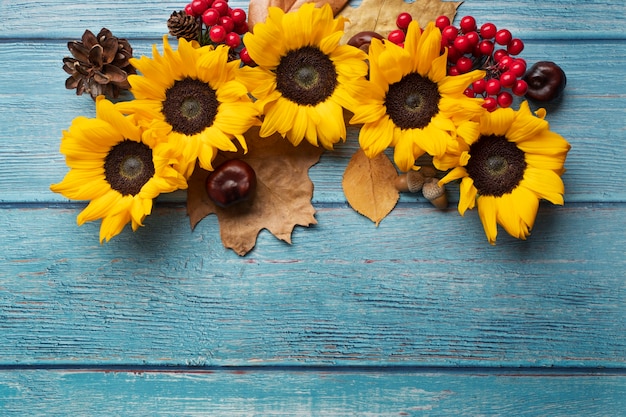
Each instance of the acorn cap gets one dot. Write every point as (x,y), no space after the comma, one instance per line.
(412,182)
(435,193)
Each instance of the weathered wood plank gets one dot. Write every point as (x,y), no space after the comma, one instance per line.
(311,393)
(35,109)
(422,288)
(568,19)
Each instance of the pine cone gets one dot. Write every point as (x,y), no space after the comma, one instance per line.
(181,25)
(99,64)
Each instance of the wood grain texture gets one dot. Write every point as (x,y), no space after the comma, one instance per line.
(311,393)
(166,296)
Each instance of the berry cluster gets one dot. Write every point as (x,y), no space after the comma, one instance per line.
(470,48)
(222,24)
(487,48)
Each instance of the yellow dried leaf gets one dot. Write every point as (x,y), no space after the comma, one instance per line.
(368,185)
(283,194)
(380,15)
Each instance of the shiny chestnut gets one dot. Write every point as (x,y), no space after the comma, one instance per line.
(546,81)
(363,39)
(232,182)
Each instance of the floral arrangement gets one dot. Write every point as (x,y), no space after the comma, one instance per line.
(244,104)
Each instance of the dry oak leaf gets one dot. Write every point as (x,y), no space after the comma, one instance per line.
(368,185)
(283,193)
(257,9)
(380,15)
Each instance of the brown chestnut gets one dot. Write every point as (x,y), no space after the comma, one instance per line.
(232,182)
(546,81)
(363,39)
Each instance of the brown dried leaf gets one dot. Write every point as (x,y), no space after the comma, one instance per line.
(380,15)
(283,194)
(257,9)
(368,185)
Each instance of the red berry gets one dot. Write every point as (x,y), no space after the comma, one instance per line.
(515,46)
(221,6)
(396,36)
(453,54)
(232,39)
(468,24)
(519,88)
(499,54)
(464,64)
(462,44)
(217,34)
(453,71)
(505,62)
(507,79)
(442,21)
(488,30)
(503,37)
(492,87)
(188,10)
(227,23)
(199,6)
(241,28)
(505,99)
(245,57)
(403,20)
(449,33)
(486,47)
(210,17)
(479,86)
(518,67)
(238,15)
(473,38)
(469,92)
(490,103)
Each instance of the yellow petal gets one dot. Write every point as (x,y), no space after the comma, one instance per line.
(545,183)
(497,122)
(429,48)
(467,195)
(487,214)
(375,137)
(99,207)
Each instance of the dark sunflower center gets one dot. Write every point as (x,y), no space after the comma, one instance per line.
(496,165)
(306,76)
(190,106)
(412,102)
(128,166)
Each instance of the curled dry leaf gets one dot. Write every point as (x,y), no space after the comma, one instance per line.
(257,9)
(368,185)
(380,15)
(283,193)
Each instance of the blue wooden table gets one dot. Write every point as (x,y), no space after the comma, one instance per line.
(350,319)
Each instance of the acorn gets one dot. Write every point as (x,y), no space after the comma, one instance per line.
(546,81)
(435,193)
(231,183)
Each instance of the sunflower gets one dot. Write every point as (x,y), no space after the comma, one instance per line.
(409,102)
(115,166)
(190,96)
(303,79)
(515,162)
